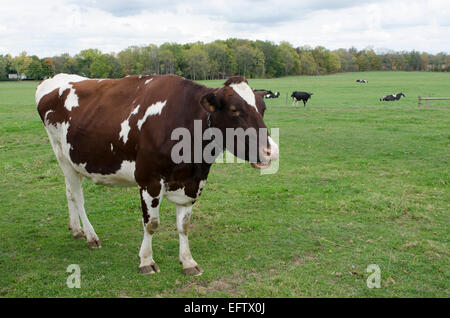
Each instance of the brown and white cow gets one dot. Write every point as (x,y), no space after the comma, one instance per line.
(117,132)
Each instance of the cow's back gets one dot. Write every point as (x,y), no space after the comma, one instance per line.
(92,124)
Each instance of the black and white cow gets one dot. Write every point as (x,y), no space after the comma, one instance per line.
(362,81)
(272,95)
(392,97)
(303,96)
(267,93)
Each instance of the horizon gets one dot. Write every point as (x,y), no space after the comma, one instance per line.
(378,51)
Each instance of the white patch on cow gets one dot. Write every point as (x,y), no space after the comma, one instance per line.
(58,138)
(125,125)
(58,81)
(112,148)
(243,90)
(148,81)
(124,130)
(123,177)
(178,196)
(71,99)
(274,151)
(46,114)
(152,110)
(148,198)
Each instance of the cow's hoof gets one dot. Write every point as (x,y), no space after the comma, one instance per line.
(79,234)
(193,271)
(94,244)
(149,269)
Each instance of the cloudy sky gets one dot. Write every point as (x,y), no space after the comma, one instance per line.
(52,27)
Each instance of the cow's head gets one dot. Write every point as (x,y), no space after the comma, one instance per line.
(236,106)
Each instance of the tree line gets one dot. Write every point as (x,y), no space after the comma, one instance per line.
(219,59)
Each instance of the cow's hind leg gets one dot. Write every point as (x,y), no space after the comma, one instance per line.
(74,219)
(75,200)
(190,267)
(151,200)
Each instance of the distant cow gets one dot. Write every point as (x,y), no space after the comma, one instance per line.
(303,96)
(392,97)
(267,93)
(362,81)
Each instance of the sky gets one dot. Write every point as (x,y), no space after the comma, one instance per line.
(52,27)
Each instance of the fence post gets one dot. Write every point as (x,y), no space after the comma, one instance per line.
(418,103)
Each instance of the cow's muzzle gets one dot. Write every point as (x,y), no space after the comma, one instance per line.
(266,155)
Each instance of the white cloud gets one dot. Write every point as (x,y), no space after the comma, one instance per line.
(47,28)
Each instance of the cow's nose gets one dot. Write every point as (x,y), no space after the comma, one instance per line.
(269,153)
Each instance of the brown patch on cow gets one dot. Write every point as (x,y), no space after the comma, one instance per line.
(235,80)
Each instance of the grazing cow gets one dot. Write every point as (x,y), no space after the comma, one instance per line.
(272,95)
(118,133)
(303,96)
(267,93)
(392,97)
(362,81)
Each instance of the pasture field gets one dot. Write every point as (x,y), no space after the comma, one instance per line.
(360,182)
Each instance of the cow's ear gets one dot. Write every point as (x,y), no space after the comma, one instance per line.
(210,102)
(260,93)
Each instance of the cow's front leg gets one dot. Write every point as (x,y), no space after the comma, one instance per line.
(151,200)
(190,267)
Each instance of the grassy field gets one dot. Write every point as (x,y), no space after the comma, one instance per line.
(360,182)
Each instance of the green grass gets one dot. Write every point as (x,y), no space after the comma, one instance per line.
(360,182)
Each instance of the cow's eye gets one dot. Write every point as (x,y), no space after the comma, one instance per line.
(234,111)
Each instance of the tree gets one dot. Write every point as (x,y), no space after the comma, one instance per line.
(178,55)
(167,62)
(3,67)
(333,62)
(221,59)
(34,69)
(250,61)
(308,64)
(21,63)
(84,60)
(149,59)
(197,61)
(424,61)
(290,60)
(100,67)
(272,58)
(48,69)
